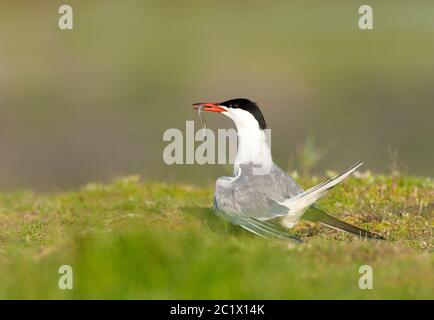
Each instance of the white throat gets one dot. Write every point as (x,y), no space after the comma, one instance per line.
(252,142)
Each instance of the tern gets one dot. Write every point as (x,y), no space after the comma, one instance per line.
(261,197)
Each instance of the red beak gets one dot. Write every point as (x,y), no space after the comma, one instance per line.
(209,106)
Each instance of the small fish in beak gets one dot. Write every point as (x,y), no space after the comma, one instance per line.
(206,106)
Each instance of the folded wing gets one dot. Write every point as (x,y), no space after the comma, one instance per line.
(315,214)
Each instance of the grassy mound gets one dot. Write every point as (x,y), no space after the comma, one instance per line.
(133,239)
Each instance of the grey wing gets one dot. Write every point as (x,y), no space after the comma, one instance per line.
(255,196)
(267,229)
(292,188)
(244,199)
(262,228)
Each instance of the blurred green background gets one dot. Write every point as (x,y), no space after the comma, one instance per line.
(93,103)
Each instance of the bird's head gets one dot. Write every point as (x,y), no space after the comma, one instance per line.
(243,112)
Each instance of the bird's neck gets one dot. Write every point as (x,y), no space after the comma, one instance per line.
(252,148)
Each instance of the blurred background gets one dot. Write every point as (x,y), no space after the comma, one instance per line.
(92,104)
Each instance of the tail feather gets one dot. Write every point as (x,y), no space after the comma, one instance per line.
(303,200)
(300,202)
(315,214)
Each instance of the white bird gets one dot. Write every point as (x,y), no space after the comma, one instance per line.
(261,197)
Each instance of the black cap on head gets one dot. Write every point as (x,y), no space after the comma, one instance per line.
(249,106)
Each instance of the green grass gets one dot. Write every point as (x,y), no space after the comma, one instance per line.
(133,239)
